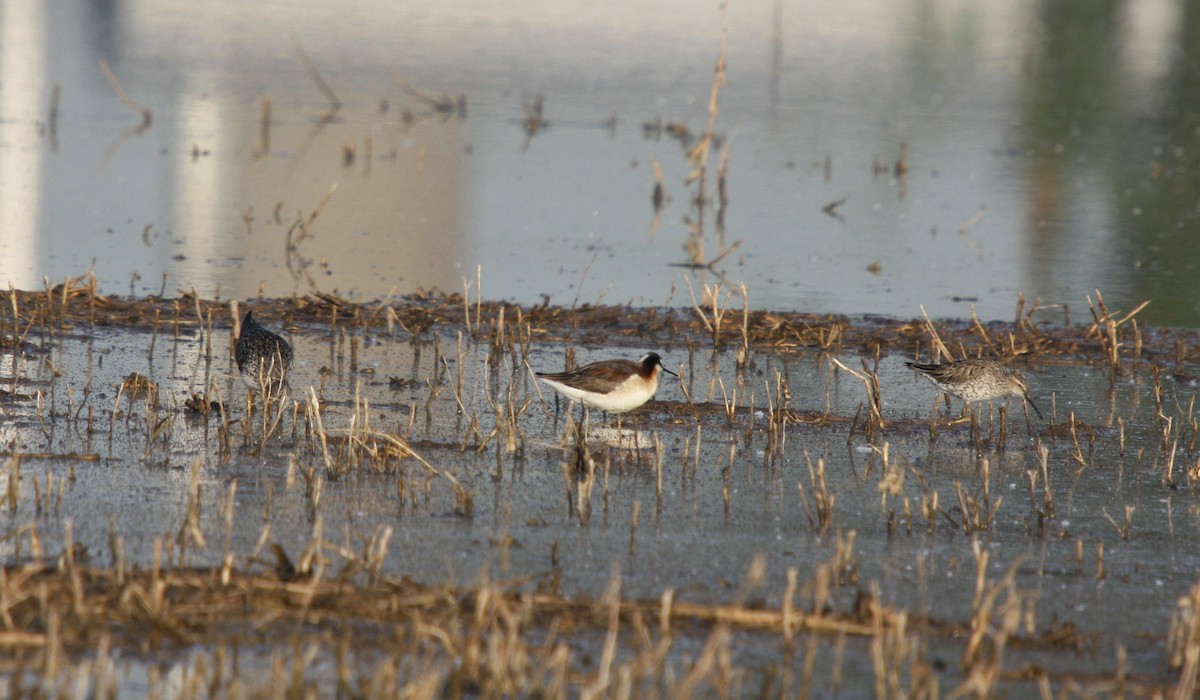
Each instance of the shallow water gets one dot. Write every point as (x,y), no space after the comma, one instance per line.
(1048,151)
(736,498)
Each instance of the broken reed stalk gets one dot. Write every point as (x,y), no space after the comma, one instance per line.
(698,157)
(777,419)
(442,104)
(583,467)
(302,226)
(313,415)
(699,152)
(1104,327)
(744,352)
(314,75)
(478,297)
(891,479)
(939,348)
(820,512)
(1077,454)
(659,198)
(687,397)
(274,394)
(722,197)
(466,300)
(1124,528)
(1183,642)
(977,514)
(12,489)
(264,129)
(1170,443)
(115,85)
(712,295)
(728,401)
(996,617)
(190,532)
(870,380)
(982,332)
(1044,465)
(228,513)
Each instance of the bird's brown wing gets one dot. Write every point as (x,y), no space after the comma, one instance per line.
(952,372)
(599,377)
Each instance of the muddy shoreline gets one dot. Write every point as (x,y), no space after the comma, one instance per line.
(1037,333)
(769,516)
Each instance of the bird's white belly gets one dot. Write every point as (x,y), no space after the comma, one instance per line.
(628,395)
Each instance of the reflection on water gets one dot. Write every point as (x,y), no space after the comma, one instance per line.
(1050,145)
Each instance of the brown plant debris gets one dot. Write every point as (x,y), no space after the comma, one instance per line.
(426,312)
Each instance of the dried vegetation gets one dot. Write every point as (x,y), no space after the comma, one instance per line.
(361,632)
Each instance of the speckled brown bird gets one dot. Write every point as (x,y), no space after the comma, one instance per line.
(977,380)
(263,358)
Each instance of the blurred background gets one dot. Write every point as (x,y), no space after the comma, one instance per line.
(880,157)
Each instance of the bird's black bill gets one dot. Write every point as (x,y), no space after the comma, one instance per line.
(664,368)
(1035,408)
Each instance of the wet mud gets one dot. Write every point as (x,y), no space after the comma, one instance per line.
(797,514)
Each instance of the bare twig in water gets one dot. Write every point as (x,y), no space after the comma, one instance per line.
(712,263)
(1105,327)
(582,278)
(698,156)
(334,103)
(660,197)
(534,123)
(298,232)
(833,209)
(111,78)
(939,347)
(52,117)
(962,231)
(871,383)
(264,130)
(147,116)
(441,104)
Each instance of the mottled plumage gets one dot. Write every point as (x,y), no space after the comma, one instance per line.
(262,355)
(615,386)
(977,380)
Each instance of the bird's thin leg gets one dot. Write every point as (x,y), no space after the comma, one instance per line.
(571,428)
(634,430)
(633,433)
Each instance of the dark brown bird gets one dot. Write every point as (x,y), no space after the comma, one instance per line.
(263,358)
